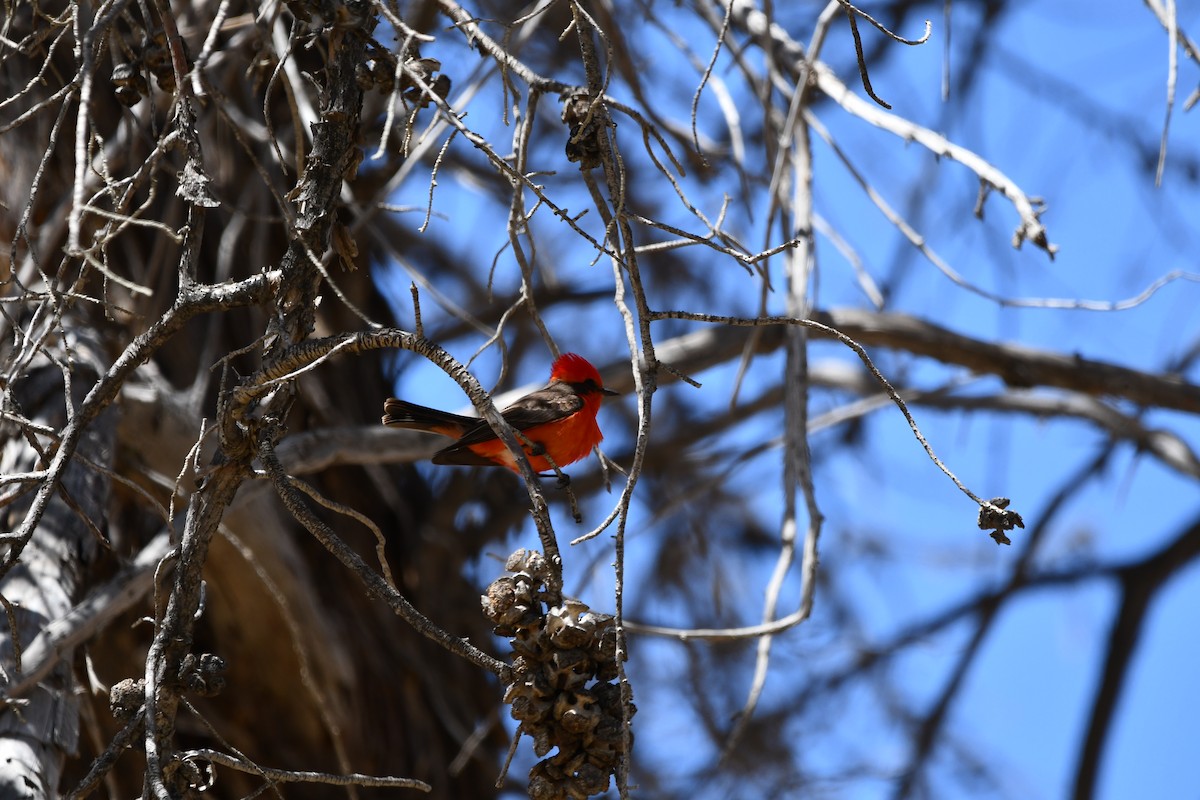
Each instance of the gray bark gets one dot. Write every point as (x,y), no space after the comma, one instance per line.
(42,586)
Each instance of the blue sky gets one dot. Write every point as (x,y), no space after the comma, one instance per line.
(1058,106)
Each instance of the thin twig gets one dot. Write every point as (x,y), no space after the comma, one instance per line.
(303,776)
(362,519)
(1172,23)
(870,365)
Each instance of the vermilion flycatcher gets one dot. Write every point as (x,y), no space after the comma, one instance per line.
(559,420)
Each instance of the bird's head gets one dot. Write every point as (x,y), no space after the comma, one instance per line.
(578,371)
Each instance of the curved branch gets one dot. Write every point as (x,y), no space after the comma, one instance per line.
(374,582)
(305,354)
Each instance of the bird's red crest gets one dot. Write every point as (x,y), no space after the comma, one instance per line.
(572,368)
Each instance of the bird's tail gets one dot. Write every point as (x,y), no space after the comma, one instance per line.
(403,414)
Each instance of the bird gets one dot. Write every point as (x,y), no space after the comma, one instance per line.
(557,422)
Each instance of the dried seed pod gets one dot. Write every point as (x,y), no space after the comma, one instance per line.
(130,85)
(585,122)
(157,57)
(571,624)
(577,712)
(564,658)
(526,708)
(569,669)
(499,599)
(126,697)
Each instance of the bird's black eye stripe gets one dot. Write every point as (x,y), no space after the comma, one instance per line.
(586,387)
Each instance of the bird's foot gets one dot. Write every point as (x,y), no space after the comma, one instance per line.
(564,480)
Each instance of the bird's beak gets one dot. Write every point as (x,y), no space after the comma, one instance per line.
(609,392)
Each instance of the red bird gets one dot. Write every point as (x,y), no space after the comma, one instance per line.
(559,419)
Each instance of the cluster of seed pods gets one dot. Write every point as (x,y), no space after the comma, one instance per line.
(564,692)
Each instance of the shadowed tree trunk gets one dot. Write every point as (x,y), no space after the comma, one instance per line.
(325,678)
(43,585)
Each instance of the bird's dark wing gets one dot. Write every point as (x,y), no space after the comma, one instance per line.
(556,401)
